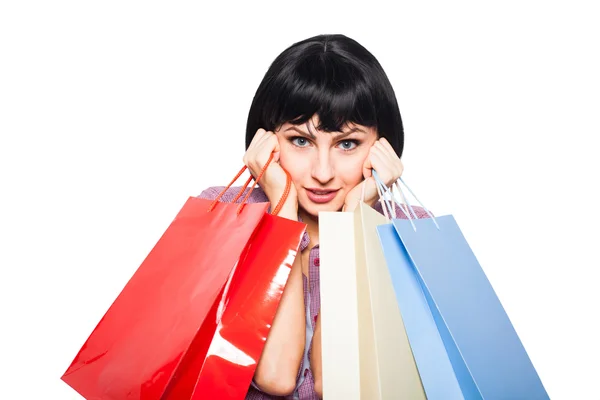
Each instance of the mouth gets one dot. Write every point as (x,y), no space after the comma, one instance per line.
(321,196)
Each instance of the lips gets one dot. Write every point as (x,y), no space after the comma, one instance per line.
(321,195)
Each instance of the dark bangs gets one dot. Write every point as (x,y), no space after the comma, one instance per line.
(334,77)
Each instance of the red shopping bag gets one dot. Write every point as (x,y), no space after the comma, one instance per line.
(227,352)
(151,343)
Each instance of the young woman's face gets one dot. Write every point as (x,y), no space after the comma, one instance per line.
(325,166)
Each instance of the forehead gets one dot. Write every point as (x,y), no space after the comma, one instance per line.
(311,125)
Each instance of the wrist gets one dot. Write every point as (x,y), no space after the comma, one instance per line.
(372,202)
(289,208)
(350,205)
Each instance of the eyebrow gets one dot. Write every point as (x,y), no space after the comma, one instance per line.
(351,131)
(293,128)
(337,137)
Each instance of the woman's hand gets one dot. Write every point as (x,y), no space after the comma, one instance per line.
(383,159)
(273,181)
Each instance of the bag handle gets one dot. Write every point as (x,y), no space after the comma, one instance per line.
(388,210)
(406,205)
(286,192)
(279,205)
(418,201)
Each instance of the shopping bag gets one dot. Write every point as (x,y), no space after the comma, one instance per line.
(365,351)
(486,354)
(435,368)
(384,341)
(250,301)
(170,303)
(339,307)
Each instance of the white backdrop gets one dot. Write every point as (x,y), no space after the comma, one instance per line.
(112,113)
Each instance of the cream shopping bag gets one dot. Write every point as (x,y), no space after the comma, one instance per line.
(339,305)
(365,350)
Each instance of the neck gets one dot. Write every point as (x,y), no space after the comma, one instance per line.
(312,226)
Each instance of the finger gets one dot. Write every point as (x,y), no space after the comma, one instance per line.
(383,140)
(386,144)
(383,166)
(277,148)
(401,167)
(253,157)
(371,191)
(394,165)
(380,146)
(258,136)
(249,151)
(367,166)
(250,154)
(387,147)
(268,146)
(381,154)
(265,137)
(379,163)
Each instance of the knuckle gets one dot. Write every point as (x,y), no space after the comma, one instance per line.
(273,142)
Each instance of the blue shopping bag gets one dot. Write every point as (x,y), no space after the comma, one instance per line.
(487,357)
(433,363)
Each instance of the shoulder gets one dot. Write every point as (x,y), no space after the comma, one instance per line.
(211,193)
(401,213)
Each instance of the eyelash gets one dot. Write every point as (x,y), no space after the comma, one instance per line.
(355,142)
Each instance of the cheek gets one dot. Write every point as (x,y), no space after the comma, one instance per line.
(293,162)
(350,169)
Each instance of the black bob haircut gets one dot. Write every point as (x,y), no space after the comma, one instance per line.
(334,77)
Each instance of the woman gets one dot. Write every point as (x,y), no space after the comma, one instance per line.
(328,112)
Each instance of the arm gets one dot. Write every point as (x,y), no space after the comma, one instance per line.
(277,369)
(315,358)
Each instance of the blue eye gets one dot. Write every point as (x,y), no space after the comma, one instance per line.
(300,141)
(348,145)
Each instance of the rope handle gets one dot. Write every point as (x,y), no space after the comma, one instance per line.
(406,205)
(286,192)
(279,205)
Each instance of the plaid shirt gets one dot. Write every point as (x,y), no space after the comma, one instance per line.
(312,300)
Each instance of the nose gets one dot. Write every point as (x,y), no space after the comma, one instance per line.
(322,169)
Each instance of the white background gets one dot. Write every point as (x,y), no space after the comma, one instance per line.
(113,113)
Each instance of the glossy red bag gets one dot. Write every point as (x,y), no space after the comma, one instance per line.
(152,342)
(229,347)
